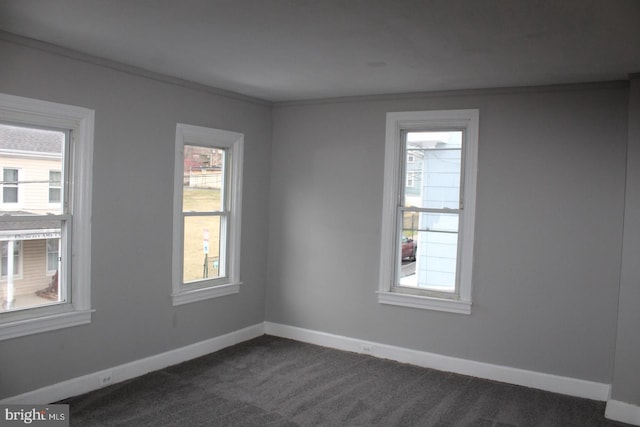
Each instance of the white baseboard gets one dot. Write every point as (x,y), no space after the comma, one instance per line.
(90,382)
(623,412)
(548,382)
(618,411)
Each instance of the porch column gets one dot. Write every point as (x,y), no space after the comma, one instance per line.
(10,296)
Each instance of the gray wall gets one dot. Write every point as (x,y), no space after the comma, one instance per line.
(548,244)
(548,227)
(132,218)
(626,379)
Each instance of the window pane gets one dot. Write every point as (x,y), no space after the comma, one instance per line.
(10,176)
(202,248)
(54,195)
(9,185)
(429,249)
(26,178)
(203,179)
(55,182)
(432,169)
(34,281)
(52,254)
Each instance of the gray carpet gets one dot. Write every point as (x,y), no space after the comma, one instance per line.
(272,381)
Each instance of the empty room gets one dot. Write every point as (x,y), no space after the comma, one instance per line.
(320,212)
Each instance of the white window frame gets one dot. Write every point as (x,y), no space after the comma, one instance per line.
(80,122)
(397,124)
(233,143)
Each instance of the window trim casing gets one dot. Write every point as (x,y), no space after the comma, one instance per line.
(80,121)
(234,142)
(396,123)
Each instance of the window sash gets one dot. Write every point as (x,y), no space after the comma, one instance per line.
(223,249)
(64,217)
(64,254)
(397,286)
(401,209)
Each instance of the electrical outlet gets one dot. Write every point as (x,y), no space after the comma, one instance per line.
(367,348)
(105,378)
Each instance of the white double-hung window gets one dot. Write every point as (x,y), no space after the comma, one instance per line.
(10,187)
(207,203)
(429,208)
(45,241)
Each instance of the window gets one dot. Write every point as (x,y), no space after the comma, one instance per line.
(53,254)
(429,208)
(48,150)
(207,202)
(55,179)
(413,179)
(9,185)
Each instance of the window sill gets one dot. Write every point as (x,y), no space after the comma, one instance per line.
(44,323)
(425,303)
(194,295)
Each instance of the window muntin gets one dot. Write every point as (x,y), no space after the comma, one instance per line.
(426,255)
(207,200)
(60,302)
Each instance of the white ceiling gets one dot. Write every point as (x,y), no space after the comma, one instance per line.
(304,49)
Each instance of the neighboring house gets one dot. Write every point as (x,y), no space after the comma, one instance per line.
(31,171)
(413,176)
(203,167)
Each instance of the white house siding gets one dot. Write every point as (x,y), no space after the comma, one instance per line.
(32,197)
(437,251)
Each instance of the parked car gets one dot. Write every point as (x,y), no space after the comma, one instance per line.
(409,248)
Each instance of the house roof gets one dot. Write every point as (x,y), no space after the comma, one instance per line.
(18,139)
(27,230)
